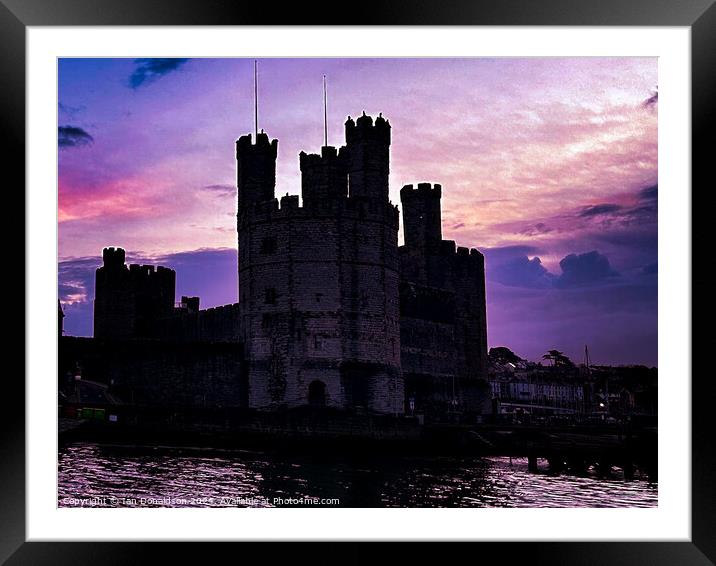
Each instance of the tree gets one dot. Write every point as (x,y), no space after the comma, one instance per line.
(503,355)
(558,358)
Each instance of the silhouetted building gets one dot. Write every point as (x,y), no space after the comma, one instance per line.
(128,300)
(318,283)
(331,311)
(60,319)
(443,324)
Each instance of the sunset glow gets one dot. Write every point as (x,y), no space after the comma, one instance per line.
(548,166)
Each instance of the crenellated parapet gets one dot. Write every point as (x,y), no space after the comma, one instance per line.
(189,304)
(113,257)
(263,145)
(364,130)
(368,149)
(345,208)
(215,324)
(256,169)
(151,273)
(325,176)
(469,255)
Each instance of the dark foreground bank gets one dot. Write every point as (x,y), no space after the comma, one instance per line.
(571,448)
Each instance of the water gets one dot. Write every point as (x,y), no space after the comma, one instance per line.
(123,476)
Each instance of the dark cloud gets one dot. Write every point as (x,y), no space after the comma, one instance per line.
(537,229)
(513,267)
(149,70)
(506,253)
(649,193)
(599,209)
(522,272)
(222,190)
(584,269)
(73,136)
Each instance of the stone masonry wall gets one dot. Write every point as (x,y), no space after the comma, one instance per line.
(155,372)
(170,374)
(217,324)
(318,288)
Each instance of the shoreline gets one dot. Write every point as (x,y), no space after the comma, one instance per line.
(566,448)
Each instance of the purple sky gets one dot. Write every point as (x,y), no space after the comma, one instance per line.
(548,165)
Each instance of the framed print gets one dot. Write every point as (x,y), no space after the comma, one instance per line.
(424,276)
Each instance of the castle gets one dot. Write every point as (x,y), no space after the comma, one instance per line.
(331,310)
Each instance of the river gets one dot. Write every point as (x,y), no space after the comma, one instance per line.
(129,476)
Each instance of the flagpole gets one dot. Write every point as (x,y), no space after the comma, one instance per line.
(256,99)
(325,113)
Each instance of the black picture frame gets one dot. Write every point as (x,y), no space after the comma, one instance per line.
(699,15)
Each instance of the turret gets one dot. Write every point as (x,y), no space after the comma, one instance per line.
(113,258)
(128,301)
(190,304)
(324,177)
(256,169)
(368,150)
(421,217)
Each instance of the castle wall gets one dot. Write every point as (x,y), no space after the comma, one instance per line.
(427,331)
(216,324)
(158,372)
(148,372)
(460,272)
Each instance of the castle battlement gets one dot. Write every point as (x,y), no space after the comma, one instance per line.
(263,145)
(329,156)
(151,271)
(113,256)
(470,257)
(231,307)
(325,176)
(346,208)
(289,202)
(256,169)
(364,129)
(449,249)
(423,190)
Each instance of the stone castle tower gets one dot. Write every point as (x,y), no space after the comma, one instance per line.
(318,281)
(128,300)
(442,296)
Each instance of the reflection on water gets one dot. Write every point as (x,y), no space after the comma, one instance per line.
(116,476)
